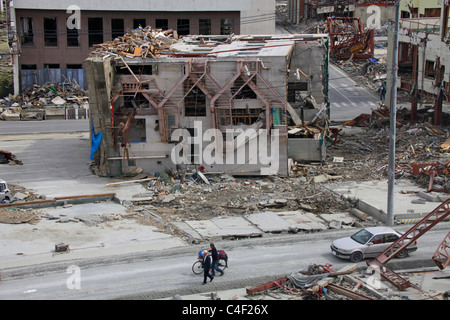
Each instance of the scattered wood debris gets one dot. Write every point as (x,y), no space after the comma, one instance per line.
(140,42)
(40,102)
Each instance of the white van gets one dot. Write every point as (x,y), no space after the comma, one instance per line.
(5,194)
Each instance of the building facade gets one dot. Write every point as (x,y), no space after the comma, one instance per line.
(224,105)
(51,39)
(305,9)
(424,61)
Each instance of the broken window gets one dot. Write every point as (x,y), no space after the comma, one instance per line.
(244,92)
(137,131)
(146,69)
(117,28)
(51,66)
(430,72)
(139,23)
(432,12)
(194,102)
(226,26)
(74,66)
(405,14)
(183,27)
(245,116)
(50,32)
(95,31)
(162,24)
(26,31)
(135,101)
(73,37)
(295,90)
(204,26)
(28,67)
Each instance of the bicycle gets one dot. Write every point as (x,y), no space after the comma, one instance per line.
(197,267)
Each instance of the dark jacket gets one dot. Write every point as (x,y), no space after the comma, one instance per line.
(214,254)
(207,262)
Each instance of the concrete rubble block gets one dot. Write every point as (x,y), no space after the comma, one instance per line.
(169,198)
(268,222)
(428,196)
(358,213)
(20,196)
(334,224)
(320,178)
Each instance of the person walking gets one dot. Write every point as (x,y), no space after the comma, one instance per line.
(382,92)
(206,267)
(215,261)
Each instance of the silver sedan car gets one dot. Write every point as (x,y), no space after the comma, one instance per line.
(368,243)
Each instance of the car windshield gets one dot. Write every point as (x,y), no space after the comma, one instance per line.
(362,236)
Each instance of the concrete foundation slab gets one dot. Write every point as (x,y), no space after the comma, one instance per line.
(268,222)
(223,227)
(187,229)
(373,195)
(302,221)
(236,227)
(343,217)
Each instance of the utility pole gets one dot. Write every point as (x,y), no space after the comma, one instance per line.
(393,120)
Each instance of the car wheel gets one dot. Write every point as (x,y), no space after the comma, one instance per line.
(356,257)
(402,254)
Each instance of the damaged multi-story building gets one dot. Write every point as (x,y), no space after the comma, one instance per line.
(245,105)
(424,61)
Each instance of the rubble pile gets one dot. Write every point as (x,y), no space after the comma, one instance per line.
(366,151)
(320,282)
(370,72)
(38,102)
(17,216)
(176,199)
(139,42)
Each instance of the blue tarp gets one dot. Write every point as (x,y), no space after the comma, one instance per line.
(95,142)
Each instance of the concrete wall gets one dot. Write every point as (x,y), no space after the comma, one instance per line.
(421,5)
(153,155)
(430,47)
(257,16)
(429,50)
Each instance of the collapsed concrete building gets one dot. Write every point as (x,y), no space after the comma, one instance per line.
(244,105)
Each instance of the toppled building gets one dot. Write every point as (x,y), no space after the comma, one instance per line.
(249,105)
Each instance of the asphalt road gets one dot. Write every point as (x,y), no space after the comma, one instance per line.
(347,98)
(164,274)
(46,126)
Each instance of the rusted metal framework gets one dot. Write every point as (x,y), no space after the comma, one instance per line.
(408,238)
(349,40)
(442,255)
(220,98)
